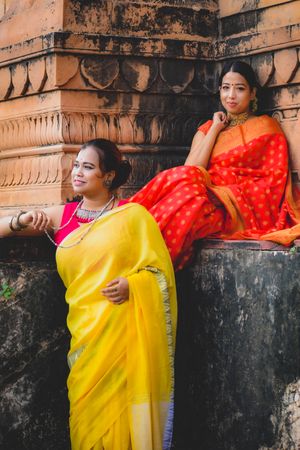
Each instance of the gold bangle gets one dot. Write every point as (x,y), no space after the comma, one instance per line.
(18,226)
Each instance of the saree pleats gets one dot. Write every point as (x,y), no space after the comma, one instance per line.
(150,388)
(246,192)
(121,379)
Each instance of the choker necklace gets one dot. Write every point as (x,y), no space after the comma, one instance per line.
(237,119)
(86,215)
(91,223)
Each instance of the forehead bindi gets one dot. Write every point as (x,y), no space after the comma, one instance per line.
(234,79)
(88,156)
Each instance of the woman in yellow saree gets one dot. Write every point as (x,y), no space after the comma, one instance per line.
(121,356)
(122,307)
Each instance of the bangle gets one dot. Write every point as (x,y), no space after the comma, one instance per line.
(18,226)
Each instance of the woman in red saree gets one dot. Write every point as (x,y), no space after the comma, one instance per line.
(235,183)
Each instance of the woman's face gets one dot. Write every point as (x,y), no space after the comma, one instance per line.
(87,177)
(235,93)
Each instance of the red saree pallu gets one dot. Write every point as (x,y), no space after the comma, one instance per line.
(246,193)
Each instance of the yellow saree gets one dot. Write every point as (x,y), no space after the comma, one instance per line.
(121,356)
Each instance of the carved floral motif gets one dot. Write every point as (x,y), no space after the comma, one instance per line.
(30,170)
(139,73)
(100,72)
(76,128)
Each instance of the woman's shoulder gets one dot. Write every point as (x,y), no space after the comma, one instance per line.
(264,124)
(134,209)
(137,212)
(205,126)
(70,206)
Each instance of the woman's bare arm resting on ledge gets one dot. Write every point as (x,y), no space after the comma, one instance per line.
(31,223)
(203,145)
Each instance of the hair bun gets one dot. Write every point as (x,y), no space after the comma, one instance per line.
(122,173)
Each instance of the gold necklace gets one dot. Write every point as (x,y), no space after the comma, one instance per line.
(237,119)
(87,230)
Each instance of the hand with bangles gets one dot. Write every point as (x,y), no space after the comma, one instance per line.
(117,290)
(37,219)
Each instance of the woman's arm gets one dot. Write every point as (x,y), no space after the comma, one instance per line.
(31,223)
(203,145)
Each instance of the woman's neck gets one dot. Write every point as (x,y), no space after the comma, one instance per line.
(96,203)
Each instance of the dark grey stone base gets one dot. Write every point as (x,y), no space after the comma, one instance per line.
(238,365)
(33,346)
(237,361)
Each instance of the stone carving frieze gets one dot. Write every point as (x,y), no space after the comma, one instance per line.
(140,73)
(25,171)
(145,166)
(100,72)
(75,128)
(289,120)
(136,74)
(28,173)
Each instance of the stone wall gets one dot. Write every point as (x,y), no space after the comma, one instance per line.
(145,78)
(128,71)
(140,73)
(237,362)
(238,367)
(266,34)
(33,343)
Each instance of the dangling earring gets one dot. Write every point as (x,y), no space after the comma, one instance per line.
(107,183)
(254,104)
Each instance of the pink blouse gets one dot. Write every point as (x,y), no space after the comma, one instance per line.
(74,223)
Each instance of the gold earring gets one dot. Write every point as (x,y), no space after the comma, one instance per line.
(254,104)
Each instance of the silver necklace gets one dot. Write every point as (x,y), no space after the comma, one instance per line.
(67,223)
(86,214)
(91,224)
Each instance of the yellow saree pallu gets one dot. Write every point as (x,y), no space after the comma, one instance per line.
(121,383)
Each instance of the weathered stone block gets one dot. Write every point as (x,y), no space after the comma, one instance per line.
(239,24)
(33,342)
(238,350)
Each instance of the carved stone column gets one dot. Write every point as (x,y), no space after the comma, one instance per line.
(137,72)
(266,34)
(71,71)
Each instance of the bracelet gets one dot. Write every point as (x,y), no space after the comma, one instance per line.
(18,226)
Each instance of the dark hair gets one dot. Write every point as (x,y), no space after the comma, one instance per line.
(110,158)
(243,69)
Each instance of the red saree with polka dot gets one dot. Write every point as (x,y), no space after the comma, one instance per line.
(246,193)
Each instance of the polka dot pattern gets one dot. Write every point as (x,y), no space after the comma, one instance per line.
(251,178)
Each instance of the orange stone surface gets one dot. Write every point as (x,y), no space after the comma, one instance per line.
(137,72)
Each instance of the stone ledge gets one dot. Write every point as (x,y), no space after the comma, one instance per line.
(246,245)
(65,42)
(237,365)
(16,249)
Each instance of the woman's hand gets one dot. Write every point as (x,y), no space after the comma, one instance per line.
(220,120)
(37,219)
(117,290)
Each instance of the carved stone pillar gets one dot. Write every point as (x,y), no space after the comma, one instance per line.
(266,34)
(71,71)
(137,72)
